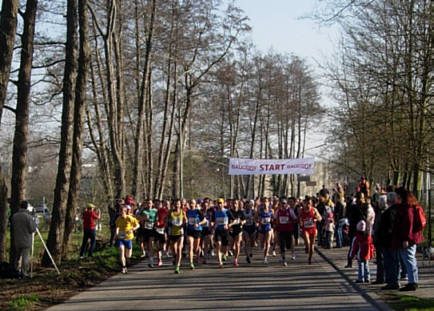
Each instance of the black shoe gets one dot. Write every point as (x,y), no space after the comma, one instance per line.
(409,287)
(360,281)
(377,282)
(348,266)
(248,259)
(367,281)
(390,287)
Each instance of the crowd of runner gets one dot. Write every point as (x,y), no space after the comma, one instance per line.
(384,224)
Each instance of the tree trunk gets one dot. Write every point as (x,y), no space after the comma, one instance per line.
(79,109)
(143,100)
(8,26)
(19,156)
(55,235)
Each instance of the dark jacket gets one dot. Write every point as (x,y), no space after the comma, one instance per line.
(356,213)
(384,231)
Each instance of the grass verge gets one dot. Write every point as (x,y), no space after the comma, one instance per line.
(408,303)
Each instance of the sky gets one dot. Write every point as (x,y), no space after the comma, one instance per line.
(279,25)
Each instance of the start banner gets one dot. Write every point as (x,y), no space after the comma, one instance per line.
(271,166)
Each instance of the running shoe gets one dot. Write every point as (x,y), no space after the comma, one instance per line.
(293,257)
(230,253)
(285,264)
(177,270)
(274,253)
(225,257)
(160,263)
(265,261)
(248,259)
(212,253)
(124,270)
(192,266)
(236,263)
(143,255)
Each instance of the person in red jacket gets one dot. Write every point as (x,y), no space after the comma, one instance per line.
(89,217)
(404,239)
(362,248)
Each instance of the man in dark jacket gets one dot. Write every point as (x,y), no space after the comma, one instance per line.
(24,226)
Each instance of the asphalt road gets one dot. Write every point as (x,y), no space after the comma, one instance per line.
(298,286)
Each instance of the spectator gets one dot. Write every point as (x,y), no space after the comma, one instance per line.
(24,226)
(89,217)
(404,238)
(381,208)
(363,248)
(357,212)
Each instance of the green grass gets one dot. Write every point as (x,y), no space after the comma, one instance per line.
(22,303)
(410,303)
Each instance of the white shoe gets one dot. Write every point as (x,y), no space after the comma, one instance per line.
(124,270)
(265,261)
(212,253)
(285,264)
(293,257)
(274,254)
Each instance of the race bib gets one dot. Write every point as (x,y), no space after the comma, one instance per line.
(177,222)
(192,221)
(283,219)
(221,221)
(308,224)
(266,220)
(122,235)
(160,230)
(149,225)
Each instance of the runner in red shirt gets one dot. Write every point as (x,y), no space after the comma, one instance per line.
(286,219)
(309,215)
(160,229)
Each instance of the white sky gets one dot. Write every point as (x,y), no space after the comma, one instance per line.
(279,25)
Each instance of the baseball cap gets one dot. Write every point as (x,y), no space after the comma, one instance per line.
(220,200)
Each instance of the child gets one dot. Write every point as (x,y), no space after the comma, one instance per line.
(330,229)
(363,248)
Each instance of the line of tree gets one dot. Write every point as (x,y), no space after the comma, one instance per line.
(158,95)
(382,81)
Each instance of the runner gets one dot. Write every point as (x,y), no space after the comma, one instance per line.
(221,220)
(308,218)
(264,216)
(249,229)
(285,223)
(195,220)
(206,238)
(176,220)
(235,228)
(125,227)
(147,218)
(160,229)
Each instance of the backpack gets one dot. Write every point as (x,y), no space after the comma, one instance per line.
(419,220)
